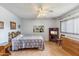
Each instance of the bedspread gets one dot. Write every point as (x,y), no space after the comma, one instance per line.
(28,42)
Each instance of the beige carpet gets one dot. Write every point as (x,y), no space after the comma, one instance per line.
(51,49)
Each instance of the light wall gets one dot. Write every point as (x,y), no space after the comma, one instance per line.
(27,26)
(6,16)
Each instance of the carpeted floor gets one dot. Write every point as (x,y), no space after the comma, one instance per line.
(51,49)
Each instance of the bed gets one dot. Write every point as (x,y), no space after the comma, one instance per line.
(27,41)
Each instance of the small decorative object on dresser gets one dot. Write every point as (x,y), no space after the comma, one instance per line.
(53,34)
(1,25)
(12,25)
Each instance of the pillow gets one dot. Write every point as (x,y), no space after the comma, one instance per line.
(19,36)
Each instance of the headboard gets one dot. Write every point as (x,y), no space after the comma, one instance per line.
(12,35)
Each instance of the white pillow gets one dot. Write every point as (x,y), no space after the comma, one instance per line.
(19,36)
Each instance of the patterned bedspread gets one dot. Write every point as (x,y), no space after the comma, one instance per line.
(28,42)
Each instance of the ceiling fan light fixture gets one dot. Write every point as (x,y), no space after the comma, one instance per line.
(41,10)
(41,14)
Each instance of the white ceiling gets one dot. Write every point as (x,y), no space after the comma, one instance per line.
(27,10)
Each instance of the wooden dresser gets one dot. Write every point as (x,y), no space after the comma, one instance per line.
(70,45)
(4,51)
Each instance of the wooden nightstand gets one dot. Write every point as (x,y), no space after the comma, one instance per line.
(4,49)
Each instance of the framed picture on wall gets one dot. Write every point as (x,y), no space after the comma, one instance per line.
(12,25)
(38,29)
(1,25)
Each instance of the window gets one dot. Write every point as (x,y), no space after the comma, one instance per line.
(70,26)
(76,26)
(63,26)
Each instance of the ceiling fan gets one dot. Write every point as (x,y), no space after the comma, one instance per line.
(42,10)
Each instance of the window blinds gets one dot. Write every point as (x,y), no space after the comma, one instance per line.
(70,26)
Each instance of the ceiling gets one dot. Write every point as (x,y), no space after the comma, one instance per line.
(27,10)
